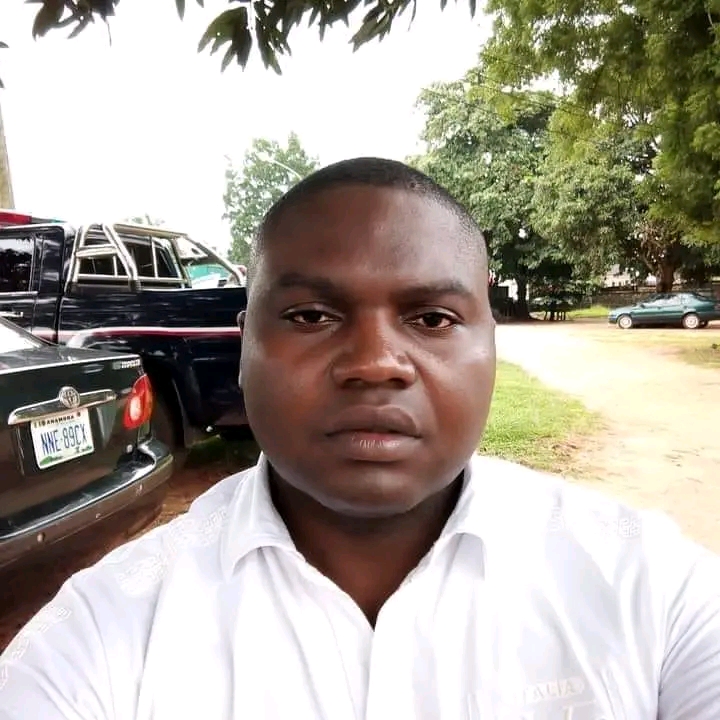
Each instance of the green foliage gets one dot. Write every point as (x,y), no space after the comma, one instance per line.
(600,199)
(268,170)
(76,14)
(265,24)
(586,197)
(488,150)
(653,58)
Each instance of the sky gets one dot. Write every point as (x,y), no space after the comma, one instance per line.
(101,130)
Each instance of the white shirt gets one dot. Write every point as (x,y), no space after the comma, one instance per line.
(541,599)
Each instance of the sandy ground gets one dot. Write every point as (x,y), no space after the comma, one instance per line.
(660,446)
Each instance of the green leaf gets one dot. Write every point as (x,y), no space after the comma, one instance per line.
(223,26)
(180,4)
(244,45)
(227,59)
(48,16)
(82,24)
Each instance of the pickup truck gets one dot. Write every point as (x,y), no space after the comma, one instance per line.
(135,289)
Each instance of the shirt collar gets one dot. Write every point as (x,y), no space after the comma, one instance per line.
(254,522)
(473,515)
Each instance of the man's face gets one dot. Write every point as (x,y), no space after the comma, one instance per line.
(368,354)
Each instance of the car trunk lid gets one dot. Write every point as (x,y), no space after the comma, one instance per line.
(61,423)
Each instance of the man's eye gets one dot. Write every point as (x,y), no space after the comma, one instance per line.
(435,321)
(309,317)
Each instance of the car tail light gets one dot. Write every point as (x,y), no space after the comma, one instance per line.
(139,406)
(8,217)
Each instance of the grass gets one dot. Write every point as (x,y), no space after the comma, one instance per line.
(696,347)
(706,355)
(533,424)
(529,423)
(594,312)
(233,455)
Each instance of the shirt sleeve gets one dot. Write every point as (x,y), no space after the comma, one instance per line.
(690,673)
(56,668)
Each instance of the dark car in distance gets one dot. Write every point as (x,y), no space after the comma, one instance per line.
(690,310)
(75,442)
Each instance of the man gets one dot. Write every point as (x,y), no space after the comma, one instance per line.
(371,566)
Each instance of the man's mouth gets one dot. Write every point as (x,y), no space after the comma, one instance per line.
(375,420)
(374,434)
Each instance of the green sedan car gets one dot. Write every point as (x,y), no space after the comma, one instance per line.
(690,310)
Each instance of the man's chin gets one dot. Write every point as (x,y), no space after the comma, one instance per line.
(366,501)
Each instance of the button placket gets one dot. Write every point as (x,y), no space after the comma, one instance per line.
(340,618)
(390,692)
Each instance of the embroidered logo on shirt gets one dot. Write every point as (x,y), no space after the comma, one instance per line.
(561,699)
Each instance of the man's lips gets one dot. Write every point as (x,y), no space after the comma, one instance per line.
(374,420)
(374,434)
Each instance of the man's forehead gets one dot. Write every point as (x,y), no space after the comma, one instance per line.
(334,204)
(360,220)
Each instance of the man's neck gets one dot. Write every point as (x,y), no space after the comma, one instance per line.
(368,558)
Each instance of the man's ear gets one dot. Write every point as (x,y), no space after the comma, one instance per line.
(241,321)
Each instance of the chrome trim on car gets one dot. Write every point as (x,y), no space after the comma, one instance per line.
(48,408)
(117,491)
(63,363)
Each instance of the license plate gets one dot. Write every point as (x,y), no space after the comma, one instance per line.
(61,438)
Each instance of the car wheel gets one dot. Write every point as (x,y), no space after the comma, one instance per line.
(691,321)
(625,322)
(166,430)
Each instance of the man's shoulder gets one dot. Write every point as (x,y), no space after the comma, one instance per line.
(113,603)
(138,567)
(543,505)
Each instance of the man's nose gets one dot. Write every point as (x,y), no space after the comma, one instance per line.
(374,354)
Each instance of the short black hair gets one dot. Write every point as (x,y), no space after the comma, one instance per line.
(378,172)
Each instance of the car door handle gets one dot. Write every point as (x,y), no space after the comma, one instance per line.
(10,314)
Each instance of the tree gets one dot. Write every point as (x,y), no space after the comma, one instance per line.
(597,196)
(267,24)
(7,197)
(487,150)
(651,58)
(267,172)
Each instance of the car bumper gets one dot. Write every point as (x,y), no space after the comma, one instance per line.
(129,485)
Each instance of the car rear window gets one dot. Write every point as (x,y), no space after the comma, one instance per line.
(13,339)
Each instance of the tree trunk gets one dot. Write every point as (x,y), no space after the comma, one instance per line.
(7,200)
(666,276)
(523,311)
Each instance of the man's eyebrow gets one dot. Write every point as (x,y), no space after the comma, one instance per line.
(436,289)
(320,285)
(325,287)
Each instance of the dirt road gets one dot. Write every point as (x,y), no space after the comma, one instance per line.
(661,444)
